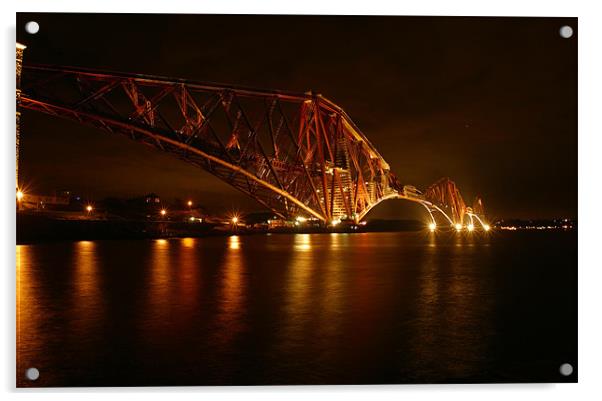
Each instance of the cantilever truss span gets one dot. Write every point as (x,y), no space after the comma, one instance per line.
(298,154)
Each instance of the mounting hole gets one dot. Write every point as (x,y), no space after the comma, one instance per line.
(32,374)
(32,27)
(566,31)
(566,369)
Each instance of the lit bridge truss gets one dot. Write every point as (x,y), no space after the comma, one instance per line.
(298,154)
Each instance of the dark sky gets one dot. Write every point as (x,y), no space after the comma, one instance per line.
(489,102)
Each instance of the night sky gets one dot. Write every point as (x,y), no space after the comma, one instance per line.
(489,102)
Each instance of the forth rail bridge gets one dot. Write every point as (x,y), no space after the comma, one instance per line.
(298,154)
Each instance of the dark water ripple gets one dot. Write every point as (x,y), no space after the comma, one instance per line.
(299,309)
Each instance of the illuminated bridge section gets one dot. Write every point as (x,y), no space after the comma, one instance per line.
(298,154)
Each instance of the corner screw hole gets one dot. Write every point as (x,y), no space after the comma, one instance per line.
(566,31)
(566,369)
(32,374)
(32,27)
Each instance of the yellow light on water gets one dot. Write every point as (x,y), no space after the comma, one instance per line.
(188,242)
(234,242)
(302,242)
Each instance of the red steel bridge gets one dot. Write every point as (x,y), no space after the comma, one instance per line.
(298,154)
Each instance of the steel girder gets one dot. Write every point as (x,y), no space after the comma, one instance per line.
(445,195)
(298,154)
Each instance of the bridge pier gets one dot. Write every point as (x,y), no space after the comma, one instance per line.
(19,64)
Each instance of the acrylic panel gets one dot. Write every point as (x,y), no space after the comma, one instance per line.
(321,200)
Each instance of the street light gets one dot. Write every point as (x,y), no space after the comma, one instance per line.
(89,208)
(189,203)
(458,227)
(234,220)
(20,195)
(432,227)
(163,212)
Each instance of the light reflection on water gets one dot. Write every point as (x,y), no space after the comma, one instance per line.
(86,296)
(305,308)
(159,290)
(234,242)
(231,295)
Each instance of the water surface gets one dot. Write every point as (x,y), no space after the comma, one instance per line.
(299,309)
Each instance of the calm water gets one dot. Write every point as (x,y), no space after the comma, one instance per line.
(295,309)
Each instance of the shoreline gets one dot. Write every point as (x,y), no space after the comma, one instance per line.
(33,229)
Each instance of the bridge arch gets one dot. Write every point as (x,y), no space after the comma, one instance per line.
(421,204)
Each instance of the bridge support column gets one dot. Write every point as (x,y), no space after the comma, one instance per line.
(19,65)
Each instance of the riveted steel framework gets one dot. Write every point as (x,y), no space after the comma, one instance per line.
(19,64)
(298,154)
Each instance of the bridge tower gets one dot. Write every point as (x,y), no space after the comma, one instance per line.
(19,65)
(341,181)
